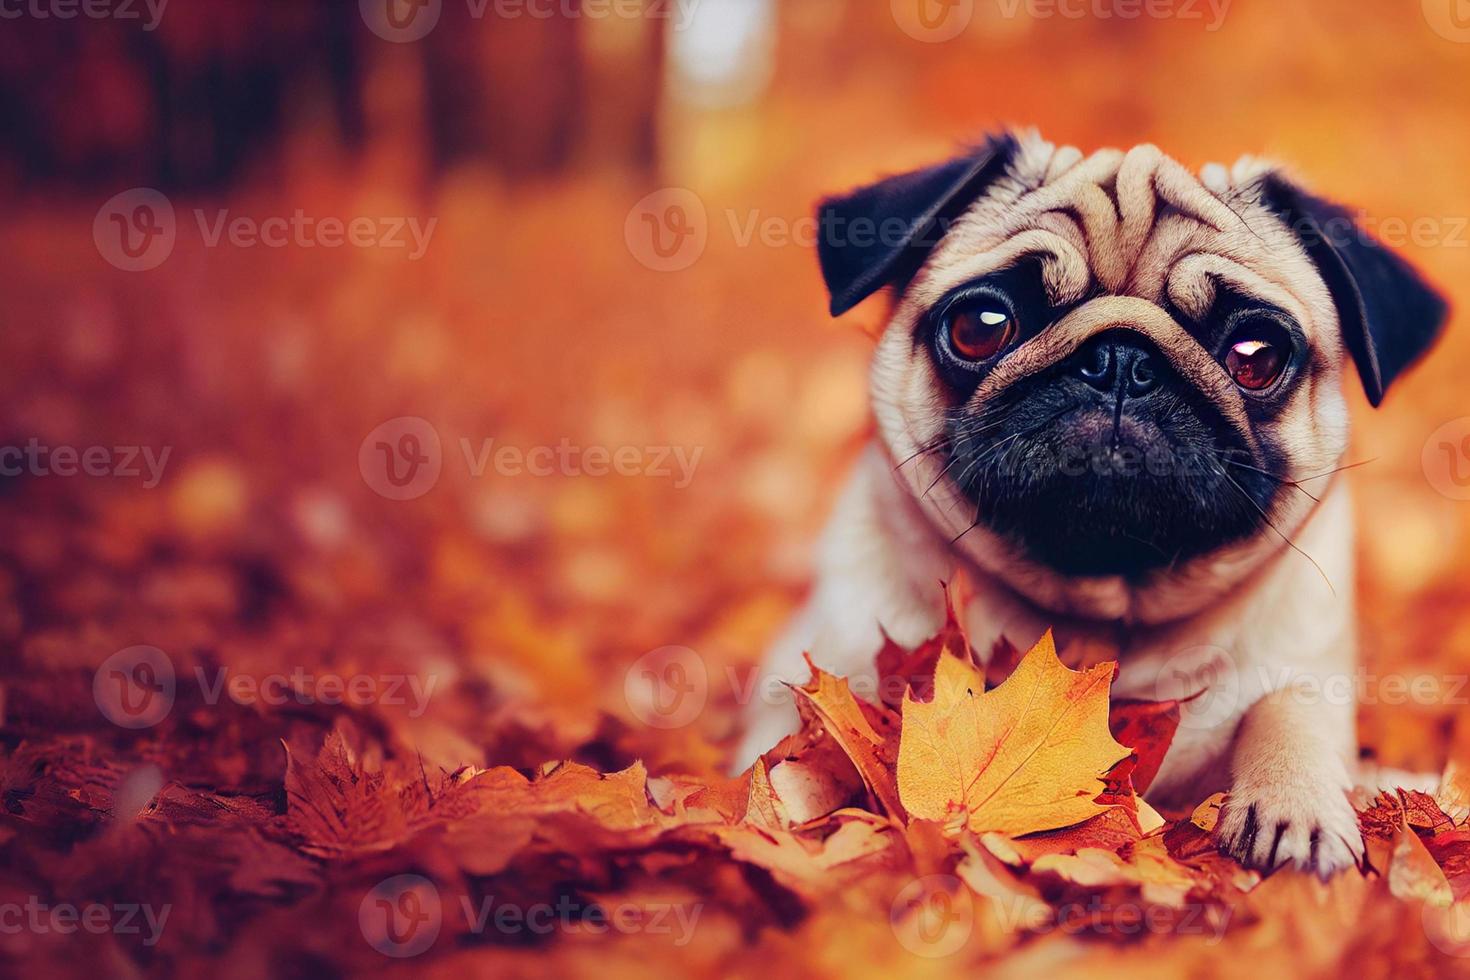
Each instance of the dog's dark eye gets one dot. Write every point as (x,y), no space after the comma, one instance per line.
(978,334)
(1257,353)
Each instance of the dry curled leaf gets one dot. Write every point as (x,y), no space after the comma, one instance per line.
(1146,727)
(855,726)
(1414,874)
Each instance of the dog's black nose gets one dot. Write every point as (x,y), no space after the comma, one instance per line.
(1119,360)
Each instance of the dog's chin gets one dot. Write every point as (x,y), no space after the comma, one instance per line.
(1094,491)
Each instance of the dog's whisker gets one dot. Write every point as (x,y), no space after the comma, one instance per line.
(1295,485)
(1272,525)
(1002,448)
(1338,469)
(1148,544)
(973,524)
(937,445)
(973,432)
(935,482)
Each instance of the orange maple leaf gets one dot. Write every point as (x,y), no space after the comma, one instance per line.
(1028,756)
(854,726)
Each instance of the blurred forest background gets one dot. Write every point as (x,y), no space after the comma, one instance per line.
(535,315)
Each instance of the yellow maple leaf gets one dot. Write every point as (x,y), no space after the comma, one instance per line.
(1025,757)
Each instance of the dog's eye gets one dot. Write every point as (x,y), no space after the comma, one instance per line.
(1257,353)
(979,334)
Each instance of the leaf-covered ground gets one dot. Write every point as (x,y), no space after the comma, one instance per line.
(496,795)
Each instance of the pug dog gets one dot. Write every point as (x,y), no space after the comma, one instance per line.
(1112,392)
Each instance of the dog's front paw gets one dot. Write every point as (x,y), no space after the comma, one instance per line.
(1268,826)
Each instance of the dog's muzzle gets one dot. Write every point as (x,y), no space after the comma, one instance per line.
(1122,337)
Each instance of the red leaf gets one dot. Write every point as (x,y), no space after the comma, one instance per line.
(1146,727)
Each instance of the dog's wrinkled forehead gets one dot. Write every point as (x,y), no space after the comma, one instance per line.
(1134,223)
(1132,227)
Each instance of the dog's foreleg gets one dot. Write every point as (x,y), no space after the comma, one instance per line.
(1288,800)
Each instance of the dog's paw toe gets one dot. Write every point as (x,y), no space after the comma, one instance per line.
(1267,830)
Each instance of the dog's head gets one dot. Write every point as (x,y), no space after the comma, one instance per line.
(1106,366)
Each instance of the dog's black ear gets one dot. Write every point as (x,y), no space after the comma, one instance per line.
(1390,317)
(880,234)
